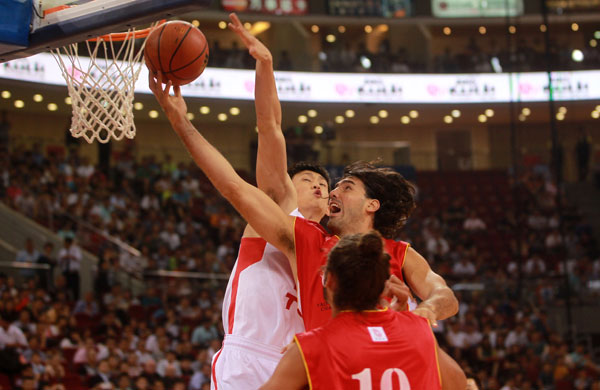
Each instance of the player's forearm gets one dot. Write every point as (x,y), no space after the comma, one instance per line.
(271,162)
(268,108)
(442,302)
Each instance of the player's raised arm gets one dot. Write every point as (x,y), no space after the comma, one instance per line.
(271,162)
(439,301)
(265,216)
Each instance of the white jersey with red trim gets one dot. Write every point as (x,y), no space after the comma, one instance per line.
(261,302)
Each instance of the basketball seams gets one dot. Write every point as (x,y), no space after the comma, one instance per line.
(158,46)
(177,48)
(191,62)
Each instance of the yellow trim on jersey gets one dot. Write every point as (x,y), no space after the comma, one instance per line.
(304,361)
(364,311)
(437,360)
(404,258)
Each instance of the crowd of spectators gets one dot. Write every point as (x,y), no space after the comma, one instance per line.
(477,56)
(164,336)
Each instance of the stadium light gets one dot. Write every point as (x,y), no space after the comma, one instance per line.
(368,29)
(339,119)
(365,62)
(595,114)
(350,113)
(413,114)
(68,100)
(447,30)
(52,107)
(482,30)
(138,106)
(448,119)
(341,29)
(496,65)
(19,103)
(302,119)
(314,28)
(330,38)
(512,29)
(405,120)
(153,114)
(383,114)
(575,27)
(597,34)
(482,118)
(38,98)
(319,129)
(374,119)
(526,111)
(312,113)
(204,110)
(190,116)
(6,94)
(577,55)
(222,117)
(222,25)
(455,113)
(593,43)
(543,28)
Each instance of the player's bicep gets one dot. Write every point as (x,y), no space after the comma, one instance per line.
(419,275)
(290,373)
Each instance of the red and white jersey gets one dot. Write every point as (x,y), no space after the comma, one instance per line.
(261,301)
(371,350)
(313,244)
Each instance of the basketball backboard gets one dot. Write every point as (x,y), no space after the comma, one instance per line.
(77,21)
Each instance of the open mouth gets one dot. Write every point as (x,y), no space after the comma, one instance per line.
(334,209)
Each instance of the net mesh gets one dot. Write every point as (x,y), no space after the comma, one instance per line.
(101,87)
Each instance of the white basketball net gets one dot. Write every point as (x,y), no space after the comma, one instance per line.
(102,89)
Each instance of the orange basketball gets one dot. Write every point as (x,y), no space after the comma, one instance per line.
(178,50)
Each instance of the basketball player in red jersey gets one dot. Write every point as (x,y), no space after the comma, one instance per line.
(363,348)
(367,198)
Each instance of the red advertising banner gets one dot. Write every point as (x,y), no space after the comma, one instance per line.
(277,7)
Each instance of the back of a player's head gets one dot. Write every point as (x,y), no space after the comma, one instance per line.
(395,194)
(361,268)
(308,166)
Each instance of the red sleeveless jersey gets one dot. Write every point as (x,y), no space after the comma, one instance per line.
(313,244)
(371,350)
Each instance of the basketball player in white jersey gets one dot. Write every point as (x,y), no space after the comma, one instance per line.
(260,309)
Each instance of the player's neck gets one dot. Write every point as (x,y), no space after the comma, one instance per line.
(361,227)
(311,214)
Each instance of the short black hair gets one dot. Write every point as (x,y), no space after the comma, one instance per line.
(395,194)
(308,166)
(361,268)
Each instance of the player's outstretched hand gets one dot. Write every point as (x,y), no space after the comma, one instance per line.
(173,105)
(396,291)
(471,385)
(254,46)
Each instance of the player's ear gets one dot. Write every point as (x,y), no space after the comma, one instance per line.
(373,205)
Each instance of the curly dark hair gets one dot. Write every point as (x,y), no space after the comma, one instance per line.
(361,268)
(396,195)
(308,166)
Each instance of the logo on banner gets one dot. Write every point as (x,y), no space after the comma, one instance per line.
(209,85)
(24,66)
(564,85)
(471,88)
(288,87)
(379,88)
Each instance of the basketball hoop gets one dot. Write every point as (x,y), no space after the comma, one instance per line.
(102,87)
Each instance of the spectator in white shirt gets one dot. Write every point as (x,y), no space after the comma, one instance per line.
(464,268)
(169,361)
(28,255)
(473,222)
(69,260)
(535,265)
(517,336)
(553,239)
(437,245)
(170,236)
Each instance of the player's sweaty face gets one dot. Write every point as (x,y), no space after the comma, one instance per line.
(346,204)
(312,190)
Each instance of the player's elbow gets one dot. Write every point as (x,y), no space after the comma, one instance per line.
(232,191)
(453,303)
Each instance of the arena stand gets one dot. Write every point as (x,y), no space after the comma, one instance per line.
(503,335)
